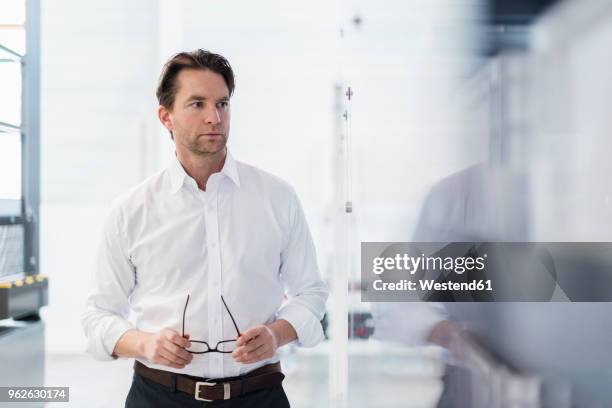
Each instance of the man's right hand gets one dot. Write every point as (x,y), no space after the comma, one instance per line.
(165,347)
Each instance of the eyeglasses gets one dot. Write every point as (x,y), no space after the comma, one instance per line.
(202,347)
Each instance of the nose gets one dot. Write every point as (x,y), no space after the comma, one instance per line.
(212,116)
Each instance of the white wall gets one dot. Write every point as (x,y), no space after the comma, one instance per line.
(97,138)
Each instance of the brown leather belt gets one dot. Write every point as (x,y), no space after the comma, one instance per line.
(214,390)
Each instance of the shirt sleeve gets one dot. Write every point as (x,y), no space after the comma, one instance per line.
(307,292)
(408,323)
(104,320)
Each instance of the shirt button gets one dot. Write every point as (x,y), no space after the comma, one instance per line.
(213,245)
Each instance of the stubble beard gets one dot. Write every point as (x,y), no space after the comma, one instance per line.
(200,148)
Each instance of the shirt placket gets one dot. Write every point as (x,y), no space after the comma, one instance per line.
(215,328)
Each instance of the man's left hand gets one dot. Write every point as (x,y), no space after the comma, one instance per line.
(256,344)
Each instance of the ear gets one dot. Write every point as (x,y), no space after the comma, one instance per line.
(165,117)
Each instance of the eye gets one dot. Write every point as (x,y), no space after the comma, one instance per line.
(196,104)
(223,104)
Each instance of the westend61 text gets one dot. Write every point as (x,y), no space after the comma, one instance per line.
(404,284)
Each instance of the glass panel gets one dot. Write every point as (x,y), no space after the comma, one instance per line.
(12,25)
(10,91)
(13,12)
(458,136)
(13,38)
(10,166)
(403,67)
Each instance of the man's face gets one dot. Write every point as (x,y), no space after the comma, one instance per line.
(200,117)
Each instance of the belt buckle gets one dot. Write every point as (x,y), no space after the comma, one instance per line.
(226,390)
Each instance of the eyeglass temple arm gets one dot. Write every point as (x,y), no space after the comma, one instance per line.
(232,317)
(184,311)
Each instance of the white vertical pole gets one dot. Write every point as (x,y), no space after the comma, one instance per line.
(338,359)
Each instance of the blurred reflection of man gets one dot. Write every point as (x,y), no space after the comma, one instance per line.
(214,234)
(478,204)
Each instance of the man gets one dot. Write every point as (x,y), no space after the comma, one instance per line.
(202,254)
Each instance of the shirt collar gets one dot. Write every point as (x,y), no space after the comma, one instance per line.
(178,174)
(230,169)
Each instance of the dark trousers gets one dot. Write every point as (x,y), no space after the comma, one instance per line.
(145,393)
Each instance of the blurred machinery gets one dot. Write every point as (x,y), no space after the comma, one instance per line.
(23,291)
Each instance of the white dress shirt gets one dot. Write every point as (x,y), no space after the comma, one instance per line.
(245,238)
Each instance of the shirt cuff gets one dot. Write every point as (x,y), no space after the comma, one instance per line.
(305,323)
(408,323)
(112,335)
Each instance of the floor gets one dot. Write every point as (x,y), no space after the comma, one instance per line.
(407,380)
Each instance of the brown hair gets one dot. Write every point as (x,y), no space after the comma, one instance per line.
(197,59)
